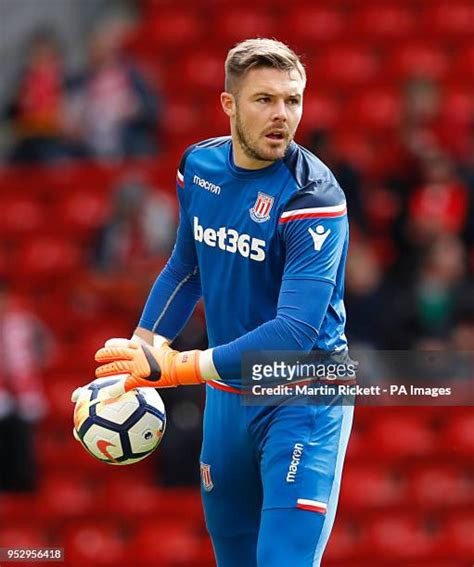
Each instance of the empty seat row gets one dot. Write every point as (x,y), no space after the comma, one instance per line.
(170,26)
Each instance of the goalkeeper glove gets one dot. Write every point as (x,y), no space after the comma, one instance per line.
(146,366)
(135,339)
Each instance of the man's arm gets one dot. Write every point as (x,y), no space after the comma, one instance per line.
(177,289)
(315,237)
(170,303)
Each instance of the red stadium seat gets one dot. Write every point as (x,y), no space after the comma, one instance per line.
(60,451)
(214,121)
(344,542)
(142,499)
(95,338)
(355,146)
(21,216)
(458,434)
(457,536)
(47,256)
(314,24)
(166,543)
(374,109)
(385,22)
(174,28)
(18,508)
(357,447)
(403,435)
(59,399)
(450,20)
(383,208)
(182,115)
(458,103)
(435,561)
(369,486)
(67,496)
(462,69)
(400,537)
(235,24)
(202,69)
(347,66)
(418,59)
(321,110)
(204,556)
(83,211)
(97,543)
(23,535)
(14,183)
(442,486)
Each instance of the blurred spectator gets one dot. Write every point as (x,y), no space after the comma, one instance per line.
(37,112)
(348,176)
(141,227)
(466,173)
(181,445)
(422,110)
(132,245)
(425,128)
(427,124)
(436,205)
(427,305)
(462,337)
(112,110)
(24,346)
(364,297)
(439,205)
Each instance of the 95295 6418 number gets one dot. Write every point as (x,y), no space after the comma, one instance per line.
(31,554)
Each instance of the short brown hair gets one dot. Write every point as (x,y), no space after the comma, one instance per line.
(254,53)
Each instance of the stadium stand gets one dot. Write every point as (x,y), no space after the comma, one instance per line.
(407,493)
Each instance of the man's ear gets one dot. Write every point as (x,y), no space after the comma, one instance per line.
(228,104)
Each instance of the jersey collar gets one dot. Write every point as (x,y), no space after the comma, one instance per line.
(252,173)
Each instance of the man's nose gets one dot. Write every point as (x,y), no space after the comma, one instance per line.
(279,111)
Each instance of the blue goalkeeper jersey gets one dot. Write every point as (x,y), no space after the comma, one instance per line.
(248,230)
(245,235)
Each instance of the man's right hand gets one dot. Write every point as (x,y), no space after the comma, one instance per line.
(142,365)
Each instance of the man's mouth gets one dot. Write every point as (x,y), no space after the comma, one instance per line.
(275,135)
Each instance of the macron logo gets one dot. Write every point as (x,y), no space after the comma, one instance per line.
(295,461)
(319,236)
(207,185)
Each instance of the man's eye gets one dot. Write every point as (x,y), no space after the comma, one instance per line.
(263,99)
(293,101)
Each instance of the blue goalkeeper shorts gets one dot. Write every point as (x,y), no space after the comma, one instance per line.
(270,479)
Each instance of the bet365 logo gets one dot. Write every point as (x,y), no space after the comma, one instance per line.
(229,240)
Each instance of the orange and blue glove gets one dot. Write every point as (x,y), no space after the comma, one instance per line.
(140,365)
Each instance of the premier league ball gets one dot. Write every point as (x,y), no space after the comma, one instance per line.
(119,431)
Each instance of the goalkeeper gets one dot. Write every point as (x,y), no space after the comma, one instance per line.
(263,239)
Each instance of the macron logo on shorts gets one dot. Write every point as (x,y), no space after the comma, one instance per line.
(295,461)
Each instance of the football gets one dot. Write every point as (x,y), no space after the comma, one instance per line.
(119,431)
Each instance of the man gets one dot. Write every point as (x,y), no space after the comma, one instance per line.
(263,239)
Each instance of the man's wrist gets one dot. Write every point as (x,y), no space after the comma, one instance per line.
(206,365)
(146,337)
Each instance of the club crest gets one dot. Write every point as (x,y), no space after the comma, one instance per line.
(260,212)
(206,477)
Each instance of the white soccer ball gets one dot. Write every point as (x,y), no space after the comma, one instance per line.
(119,431)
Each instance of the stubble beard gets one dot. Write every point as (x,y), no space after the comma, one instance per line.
(249,148)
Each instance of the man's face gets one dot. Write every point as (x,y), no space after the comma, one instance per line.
(266,113)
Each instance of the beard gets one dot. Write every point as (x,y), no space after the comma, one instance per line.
(250,147)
